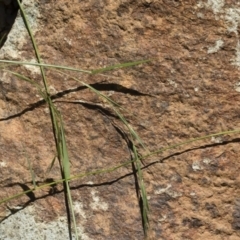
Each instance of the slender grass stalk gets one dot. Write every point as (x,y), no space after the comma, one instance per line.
(191,141)
(31,170)
(101,70)
(115,106)
(2,39)
(114,168)
(117,66)
(66,168)
(56,123)
(50,166)
(143,194)
(11,62)
(26,79)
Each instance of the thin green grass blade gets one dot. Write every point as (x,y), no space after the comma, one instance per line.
(11,62)
(64,152)
(114,107)
(97,71)
(2,38)
(129,127)
(97,92)
(50,166)
(191,141)
(32,173)
(24,17)
(143,193)
(22,77)
(118,66)
(59,135)
(66,170)
(31,170)
(114,168)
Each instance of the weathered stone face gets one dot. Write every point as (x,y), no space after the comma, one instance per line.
(190,89)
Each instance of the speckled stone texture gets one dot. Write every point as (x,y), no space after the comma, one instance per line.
(190,89)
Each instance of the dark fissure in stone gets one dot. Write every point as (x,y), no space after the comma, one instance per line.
(8,14)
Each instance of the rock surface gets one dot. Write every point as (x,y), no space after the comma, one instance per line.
(190,89)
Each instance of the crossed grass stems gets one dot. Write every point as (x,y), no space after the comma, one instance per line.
(60,141)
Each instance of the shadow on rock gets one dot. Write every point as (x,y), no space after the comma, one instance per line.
(8,14)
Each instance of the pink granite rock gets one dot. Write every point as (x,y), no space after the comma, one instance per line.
(190,89)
